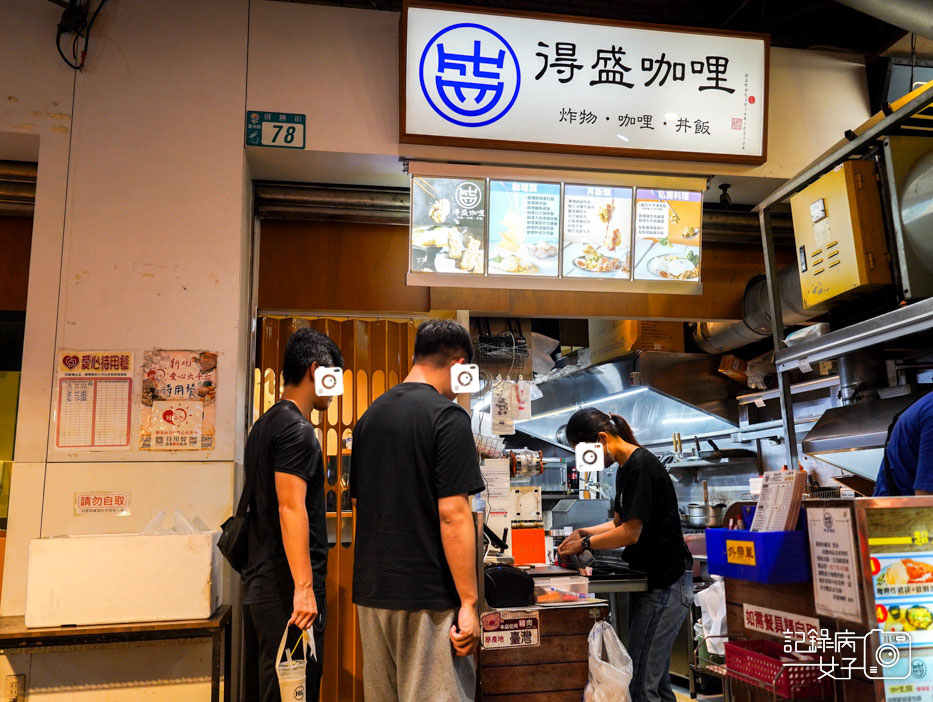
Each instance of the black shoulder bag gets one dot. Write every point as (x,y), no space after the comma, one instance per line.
(234,539)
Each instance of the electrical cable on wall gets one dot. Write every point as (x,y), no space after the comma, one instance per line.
(75,21)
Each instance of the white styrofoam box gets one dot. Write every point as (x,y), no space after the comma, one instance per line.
(119,578)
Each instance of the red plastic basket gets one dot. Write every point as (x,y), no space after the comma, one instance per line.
(761,660)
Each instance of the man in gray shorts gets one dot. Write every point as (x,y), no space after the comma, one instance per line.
(413,469)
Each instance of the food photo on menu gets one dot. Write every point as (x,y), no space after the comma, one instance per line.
(447,225)
(667,234)
(524,228)
(597,232)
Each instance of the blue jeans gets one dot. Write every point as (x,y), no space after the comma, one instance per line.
(654,623)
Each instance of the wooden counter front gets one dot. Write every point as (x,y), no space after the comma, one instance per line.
(555,670)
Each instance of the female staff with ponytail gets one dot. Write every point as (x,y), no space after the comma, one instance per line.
(647,524)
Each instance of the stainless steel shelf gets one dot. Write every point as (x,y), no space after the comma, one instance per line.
(770,430)
(898,323)
(809,386)
(701,464)
(893,325)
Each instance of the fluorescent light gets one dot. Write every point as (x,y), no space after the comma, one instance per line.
(623,138)
(589,403)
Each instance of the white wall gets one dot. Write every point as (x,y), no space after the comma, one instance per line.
(814,97)
(143,204)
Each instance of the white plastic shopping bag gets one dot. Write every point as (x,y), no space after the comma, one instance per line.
(610,666)
(712,603)
(291,672)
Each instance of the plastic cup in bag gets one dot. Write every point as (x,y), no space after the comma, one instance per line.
(291,671)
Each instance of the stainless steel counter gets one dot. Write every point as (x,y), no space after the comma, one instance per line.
(618,585)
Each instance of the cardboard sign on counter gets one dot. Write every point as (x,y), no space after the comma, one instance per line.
(835,566)
(511,629)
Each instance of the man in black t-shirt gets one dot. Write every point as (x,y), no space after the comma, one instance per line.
(413,469)
(284,579)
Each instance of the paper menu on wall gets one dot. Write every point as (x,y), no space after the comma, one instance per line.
(498,493)
(779,502)
(834,562)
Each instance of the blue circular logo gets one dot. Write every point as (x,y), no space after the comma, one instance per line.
(469,75)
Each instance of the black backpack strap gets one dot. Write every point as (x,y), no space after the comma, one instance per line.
(249,487)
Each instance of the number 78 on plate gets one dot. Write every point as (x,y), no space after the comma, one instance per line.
(283,130)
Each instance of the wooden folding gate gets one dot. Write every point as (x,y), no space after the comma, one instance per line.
(377,356)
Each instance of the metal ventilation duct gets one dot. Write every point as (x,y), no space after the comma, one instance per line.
(719,337)
(17,187)
(658,394)
(913,15)
(852,437)
(347,203)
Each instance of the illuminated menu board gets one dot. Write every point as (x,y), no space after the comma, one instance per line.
(668,225)
(524,228)
(448,225)
(597,232)
(491,233)
(901,564)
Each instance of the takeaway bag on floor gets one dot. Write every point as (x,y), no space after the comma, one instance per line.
(291,672)
(610,666)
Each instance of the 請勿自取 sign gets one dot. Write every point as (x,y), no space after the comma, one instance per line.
(521,81)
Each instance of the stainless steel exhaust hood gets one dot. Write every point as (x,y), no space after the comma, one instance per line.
(852,437)
(658,393)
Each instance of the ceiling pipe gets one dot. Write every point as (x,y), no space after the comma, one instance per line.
(720,337)
(912,15)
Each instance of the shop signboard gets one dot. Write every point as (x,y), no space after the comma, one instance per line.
(597,232)
(901,568)
(448,233)
(490,79)
(524,228)
(553,235)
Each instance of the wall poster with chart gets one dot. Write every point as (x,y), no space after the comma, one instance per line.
(93,407)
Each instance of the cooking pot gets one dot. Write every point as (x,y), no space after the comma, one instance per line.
(704,516)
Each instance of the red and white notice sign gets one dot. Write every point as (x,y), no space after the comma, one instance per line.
(776,623)
(109,503)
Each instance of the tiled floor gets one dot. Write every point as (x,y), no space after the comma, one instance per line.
(683,695)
